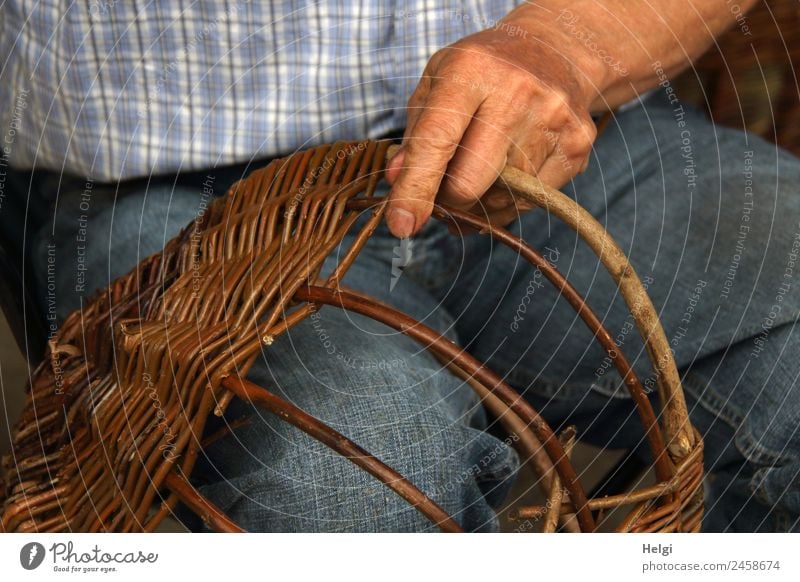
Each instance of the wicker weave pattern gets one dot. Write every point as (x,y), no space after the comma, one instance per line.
(114,413)
(200,310)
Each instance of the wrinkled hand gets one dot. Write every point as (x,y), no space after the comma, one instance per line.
(490,99)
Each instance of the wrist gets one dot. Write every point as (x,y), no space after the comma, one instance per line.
(561,35)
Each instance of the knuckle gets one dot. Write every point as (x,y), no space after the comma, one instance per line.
(470,54)
(559,96)
(462,81)
(412,184)
(577,148)
(433,64)
(587,127)
(524,84)
(582,139)
(417,98)
(465,187)
(434,136)
(554,107)
(455,196)
(519,101)
(419,206)
(560,116)
(473,66)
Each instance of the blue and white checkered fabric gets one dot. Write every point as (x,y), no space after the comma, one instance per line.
(114,89)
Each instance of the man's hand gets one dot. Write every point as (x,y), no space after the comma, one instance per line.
(521,93)
(482,102)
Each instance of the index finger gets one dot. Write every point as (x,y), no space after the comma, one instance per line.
(425,154)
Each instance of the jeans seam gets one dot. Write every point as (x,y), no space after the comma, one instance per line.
(749,447)
(711,401)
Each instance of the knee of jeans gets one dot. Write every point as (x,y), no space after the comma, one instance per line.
(299,485)
(386,394)
(424,423)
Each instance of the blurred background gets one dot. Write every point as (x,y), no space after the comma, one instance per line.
(13,375)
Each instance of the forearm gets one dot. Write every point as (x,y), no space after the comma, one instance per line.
(616,43)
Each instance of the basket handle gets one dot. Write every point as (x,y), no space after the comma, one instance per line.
(675,416)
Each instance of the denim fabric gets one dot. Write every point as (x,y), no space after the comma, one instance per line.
(711,220)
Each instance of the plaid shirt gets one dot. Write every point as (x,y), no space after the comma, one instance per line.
(112,89)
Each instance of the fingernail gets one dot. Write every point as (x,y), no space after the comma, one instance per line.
(401,222)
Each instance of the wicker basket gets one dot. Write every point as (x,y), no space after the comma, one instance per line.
(88,451)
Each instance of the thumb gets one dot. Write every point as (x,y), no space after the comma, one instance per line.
(394,165)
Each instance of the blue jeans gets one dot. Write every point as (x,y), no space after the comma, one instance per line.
(711,220)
